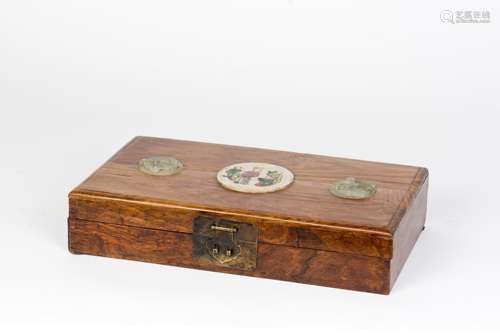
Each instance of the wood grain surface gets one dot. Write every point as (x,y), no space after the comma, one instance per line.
(309,266)
(273,231)
(305,234)
(306,200)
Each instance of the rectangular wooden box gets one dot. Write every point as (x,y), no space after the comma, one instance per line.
(302,233)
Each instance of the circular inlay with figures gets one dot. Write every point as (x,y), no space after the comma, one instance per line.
(255,177)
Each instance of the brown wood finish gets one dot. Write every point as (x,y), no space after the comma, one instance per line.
(360,245)
(307,200)
(411,224)
(309,266)
(273,231)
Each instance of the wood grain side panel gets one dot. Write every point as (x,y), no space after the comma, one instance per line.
(154,216)
(410,226)
(280,262)
(140,214)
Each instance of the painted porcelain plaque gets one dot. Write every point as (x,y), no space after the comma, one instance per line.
(254,177)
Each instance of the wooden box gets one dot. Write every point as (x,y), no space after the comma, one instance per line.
(302,233)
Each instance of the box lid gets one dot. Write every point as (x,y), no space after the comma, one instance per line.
(306,203)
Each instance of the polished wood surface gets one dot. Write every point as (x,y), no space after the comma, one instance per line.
(271,230)
(306,200)
(332,269)
(305,234)
(410,226)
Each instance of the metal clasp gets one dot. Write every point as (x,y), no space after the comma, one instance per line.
(228,251)
(224,242)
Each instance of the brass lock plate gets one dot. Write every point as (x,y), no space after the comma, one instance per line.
(226,243)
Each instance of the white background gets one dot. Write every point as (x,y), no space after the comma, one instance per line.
(374,80)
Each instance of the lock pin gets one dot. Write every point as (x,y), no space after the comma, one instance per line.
(224,229)
(215,250)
